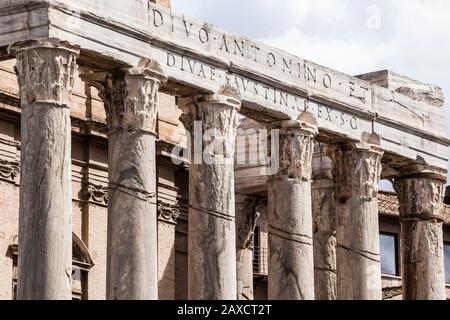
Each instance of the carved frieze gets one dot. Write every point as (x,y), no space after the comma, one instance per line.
(45,70)
(9,170)
(168,212)
(97,193)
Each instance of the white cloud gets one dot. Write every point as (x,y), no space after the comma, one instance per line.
(350,56)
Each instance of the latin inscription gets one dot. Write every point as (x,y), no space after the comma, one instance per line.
(254,90)
(252,54)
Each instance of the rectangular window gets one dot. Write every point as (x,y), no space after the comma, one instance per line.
(389,254)
(447,261)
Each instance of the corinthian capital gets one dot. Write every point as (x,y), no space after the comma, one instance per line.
(420,191)
(357,168)
(45,69)
(130,96)
(214,116)
(296,146)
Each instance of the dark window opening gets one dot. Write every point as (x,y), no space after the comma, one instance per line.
(389,254)
(447,262)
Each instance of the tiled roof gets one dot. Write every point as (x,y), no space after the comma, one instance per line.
(392,293)
(388,205)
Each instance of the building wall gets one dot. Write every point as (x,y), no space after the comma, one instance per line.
(9,184)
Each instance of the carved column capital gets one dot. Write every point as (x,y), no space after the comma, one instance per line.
(357,168)
(45,70)
(296,146)
(214,116)
(167,212)
(420,194)
(130,96)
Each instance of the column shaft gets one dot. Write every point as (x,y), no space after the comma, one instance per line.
(357,173)
(324,226)
(167,221)
(421,218)
(130,97)
(246,219)
(212,123)
(45,70)
(291,265)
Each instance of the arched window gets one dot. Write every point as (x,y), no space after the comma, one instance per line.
(81,264)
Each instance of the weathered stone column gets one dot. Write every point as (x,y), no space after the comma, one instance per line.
(130,97)
(291,262)
(420,192)
(357,172)
(167,220)
(45,70)
(324,225)
(212,121)
(246,217)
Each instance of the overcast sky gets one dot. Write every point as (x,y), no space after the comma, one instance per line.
(410,37)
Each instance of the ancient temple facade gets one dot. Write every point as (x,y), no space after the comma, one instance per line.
(149,155)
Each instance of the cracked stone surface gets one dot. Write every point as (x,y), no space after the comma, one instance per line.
(130,97)
(247,214)
(211,226)
(356,177)
(421,218)
(291,262)
(324,225)
(45,70)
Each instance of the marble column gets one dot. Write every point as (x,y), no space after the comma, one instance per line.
(420,194)
(357,170)
(130,96)
(211,120)
(291,264)
(324,225)
(168,215)
(246,218)
(45,70)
